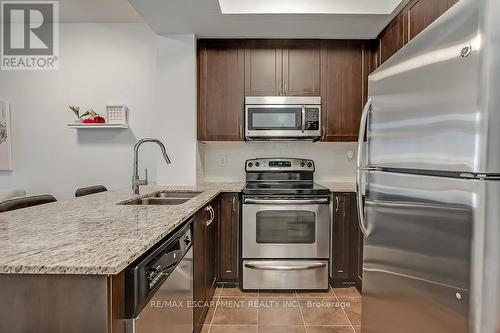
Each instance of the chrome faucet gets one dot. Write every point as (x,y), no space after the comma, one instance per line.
(136,180)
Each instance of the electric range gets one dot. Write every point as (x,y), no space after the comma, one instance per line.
(286,226)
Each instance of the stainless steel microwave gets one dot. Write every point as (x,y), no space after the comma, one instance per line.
(282,118)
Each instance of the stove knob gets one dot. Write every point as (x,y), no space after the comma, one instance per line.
(309,165)
(257,164)
(187,241)
(302,164)
(250,164)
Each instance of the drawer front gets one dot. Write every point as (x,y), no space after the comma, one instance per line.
(285,274)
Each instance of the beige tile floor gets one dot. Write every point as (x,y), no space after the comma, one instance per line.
(335,311)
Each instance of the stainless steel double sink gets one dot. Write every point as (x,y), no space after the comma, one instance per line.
(164,198)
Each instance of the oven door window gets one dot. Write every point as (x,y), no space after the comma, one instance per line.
(270,118)
(286,227)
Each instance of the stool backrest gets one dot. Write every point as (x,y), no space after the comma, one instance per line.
(90,190)
(30,201)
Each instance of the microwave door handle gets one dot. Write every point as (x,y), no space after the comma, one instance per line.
(303,126)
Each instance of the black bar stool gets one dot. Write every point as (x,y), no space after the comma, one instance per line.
(90,190)
(19,203)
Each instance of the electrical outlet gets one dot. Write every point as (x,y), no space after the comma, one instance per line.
(349,156)
(222,161)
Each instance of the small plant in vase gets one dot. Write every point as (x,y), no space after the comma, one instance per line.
(89,117)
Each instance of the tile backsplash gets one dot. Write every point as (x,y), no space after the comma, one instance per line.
(224,161)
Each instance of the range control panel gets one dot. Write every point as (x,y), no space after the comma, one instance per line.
(279,164)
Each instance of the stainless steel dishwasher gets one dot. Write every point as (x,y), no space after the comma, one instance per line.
(159,287)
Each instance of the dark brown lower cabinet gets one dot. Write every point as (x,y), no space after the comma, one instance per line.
(347,242)
(228,237)
(205,234)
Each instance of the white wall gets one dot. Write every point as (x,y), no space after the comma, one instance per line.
(175,107)
(330,159)
(99,64)
(156,77)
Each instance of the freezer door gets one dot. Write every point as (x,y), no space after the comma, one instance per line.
(426,112)
(417,254)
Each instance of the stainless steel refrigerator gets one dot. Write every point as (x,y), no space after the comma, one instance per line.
(428,180)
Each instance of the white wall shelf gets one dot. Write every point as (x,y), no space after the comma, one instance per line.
(96,126)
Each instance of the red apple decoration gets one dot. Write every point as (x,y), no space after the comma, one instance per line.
(99,120)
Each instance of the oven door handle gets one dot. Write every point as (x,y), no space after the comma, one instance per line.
(271,267)
(286,201)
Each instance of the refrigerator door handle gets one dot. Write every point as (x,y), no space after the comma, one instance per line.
(359,166)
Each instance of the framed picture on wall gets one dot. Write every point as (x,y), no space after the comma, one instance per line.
(5,137)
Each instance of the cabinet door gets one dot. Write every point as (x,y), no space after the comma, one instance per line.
(211,250)
(361,241)
(220,91)
(421,13)
(199,258)
(263,69)
(301,68)
(343,89)
(357,240)
(228,236)
(341,237)
(392,38)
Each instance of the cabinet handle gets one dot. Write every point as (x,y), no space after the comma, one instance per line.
(323,133)
(234,204)
(336,204)
(211,211)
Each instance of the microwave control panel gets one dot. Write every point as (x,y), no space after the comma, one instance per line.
(312,119)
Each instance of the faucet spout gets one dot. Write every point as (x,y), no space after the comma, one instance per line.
(136,181)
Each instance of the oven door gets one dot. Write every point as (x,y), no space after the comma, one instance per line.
(286,228)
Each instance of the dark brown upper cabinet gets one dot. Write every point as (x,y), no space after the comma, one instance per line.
(345,67)
(392,38)
(421,13)
(281,68)
(229,70)
(413,19)
(263,68)
(221,90)
(301,69)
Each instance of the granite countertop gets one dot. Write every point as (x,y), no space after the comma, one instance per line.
(93,234)
(340,186)
(96,235)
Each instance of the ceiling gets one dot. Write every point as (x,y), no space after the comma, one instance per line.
(98,11)
(205,19)
(308,6)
